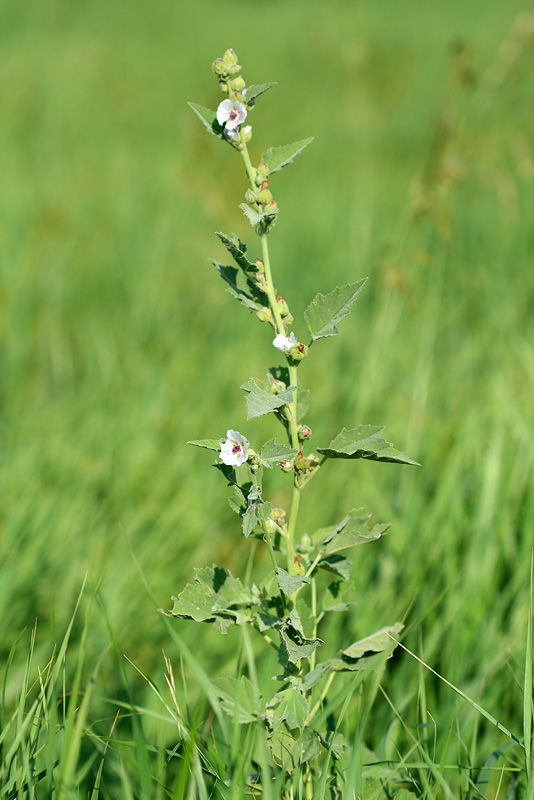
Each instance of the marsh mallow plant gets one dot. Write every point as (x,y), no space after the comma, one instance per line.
(309,574)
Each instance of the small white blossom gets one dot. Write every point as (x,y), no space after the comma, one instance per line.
(284,344)
(234,451)
(231,115)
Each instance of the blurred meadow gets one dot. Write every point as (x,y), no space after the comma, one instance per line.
(118,342)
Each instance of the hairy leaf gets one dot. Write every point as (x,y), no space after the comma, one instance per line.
(291,708)
(350,532)
(208,119)
(278,157)
(255,90)
(241,288)
(376,643)
(290,752)
(237,250)
(332,597)
(255,217)
(289,583)
(297,646)
(272,452)
(208,444)
(325,312)
(260,400)
(337,564)
(240,698)
(364,442)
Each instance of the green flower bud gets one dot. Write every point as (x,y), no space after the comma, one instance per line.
(304,433)
(302,463)
(298,352)
(250,197)
(283,307)
(246,133)
(277,387)
(270,524)
(278,514)
(224,87)
(265,314)
(285,465)
(262,173)
(234,70)
(259,266)
(238,84)
(313,461)
(272,207)
(305,545)
(230,58)
(219,67)
(264,197)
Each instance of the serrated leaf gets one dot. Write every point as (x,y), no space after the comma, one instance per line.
(260,400)
(272,452)
(297,646)
(208,444)
(255,217)
(364,442)
(289,583)
(239,287)
(291,708)
(337,564)
(237,250)
(376,643)
(238,501)
(209,119)
(353,530)
(215,592)
(325,312)
(240,698)
(256,90)
(332,597)
(278,157)
(194,602)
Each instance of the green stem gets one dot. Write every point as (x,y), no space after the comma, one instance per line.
(291,526)
(319,702)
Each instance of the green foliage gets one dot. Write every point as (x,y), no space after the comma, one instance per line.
(208,119)
(260,399)
(364,442)
(278,157)
(325,312)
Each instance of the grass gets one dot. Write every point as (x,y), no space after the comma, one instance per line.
(111,330)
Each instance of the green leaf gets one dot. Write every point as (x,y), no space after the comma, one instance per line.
(289,583)
(325,312)
(237,250)
(208,119)
(241,288)
(297,646)
(272,452)
(337,564)
(351,531)
(289,752)
(255,217)
(208,444)
(238,502)
(255,90)
(240,698)
(302,402)
(291,708)
(332,597)
(215,593)
(278,157)
(194,602)
(364,442)
(315,675)
(376,643)
(260,400)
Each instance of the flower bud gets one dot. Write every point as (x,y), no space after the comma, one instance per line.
(304,433)
(265,314)
(278,514)
(272,207)
(234,70)
(237,84)
(283,307)
(277,387)
(262,173)
(313,461)
(247,133)
(250,197)
(305,545)
(298,352)
(285,465)
(270,524)
(219,67)
(259,265)
(264,197)
(230,58)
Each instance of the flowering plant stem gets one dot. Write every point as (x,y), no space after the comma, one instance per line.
(287,608)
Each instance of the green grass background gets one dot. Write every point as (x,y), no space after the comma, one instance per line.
(119,343)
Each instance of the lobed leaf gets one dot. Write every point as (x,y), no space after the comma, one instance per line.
(209,119)
(325,312)
(256,90)
(364,442)
(353,530)
(215,593)
(272,452)
(376,643)
(255,217)
(237,250)
(278,157)
(208,444)
(332,597)
(260,400)
(289,583)
(241,287)
(240,698)
(291,707)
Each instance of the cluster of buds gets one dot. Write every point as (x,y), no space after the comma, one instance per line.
(227,70)
(306,464)
(260,196)
(283,308)
(232,112)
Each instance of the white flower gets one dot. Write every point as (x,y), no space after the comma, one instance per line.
(284,344)
(234,451)
(231,115)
